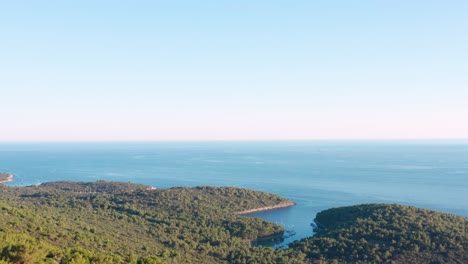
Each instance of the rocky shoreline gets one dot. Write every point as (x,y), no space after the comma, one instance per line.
(266,208)
(6,177)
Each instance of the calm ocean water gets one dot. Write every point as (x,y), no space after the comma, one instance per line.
(315,174)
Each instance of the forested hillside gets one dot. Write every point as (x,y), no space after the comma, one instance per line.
(376,233)
(120,222)
(108,222)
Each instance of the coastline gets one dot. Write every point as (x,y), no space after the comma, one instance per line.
(6,177)
(267,208)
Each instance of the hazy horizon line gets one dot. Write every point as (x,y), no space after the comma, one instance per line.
(244,140)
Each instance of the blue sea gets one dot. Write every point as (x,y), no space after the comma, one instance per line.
(316,175)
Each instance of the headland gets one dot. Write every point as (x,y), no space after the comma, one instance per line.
(6,177)
(267,208)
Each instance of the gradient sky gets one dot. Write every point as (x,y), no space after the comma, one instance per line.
(233,70)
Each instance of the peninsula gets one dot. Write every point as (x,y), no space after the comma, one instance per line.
(6,177)
(281,205)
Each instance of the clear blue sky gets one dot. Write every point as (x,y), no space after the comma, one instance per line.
(233,70)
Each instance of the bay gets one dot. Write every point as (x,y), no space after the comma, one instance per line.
(316,175)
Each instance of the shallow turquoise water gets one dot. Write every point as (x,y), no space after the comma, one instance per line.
(315,174)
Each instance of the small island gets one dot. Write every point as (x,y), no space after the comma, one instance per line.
(112,222)
(6,177)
